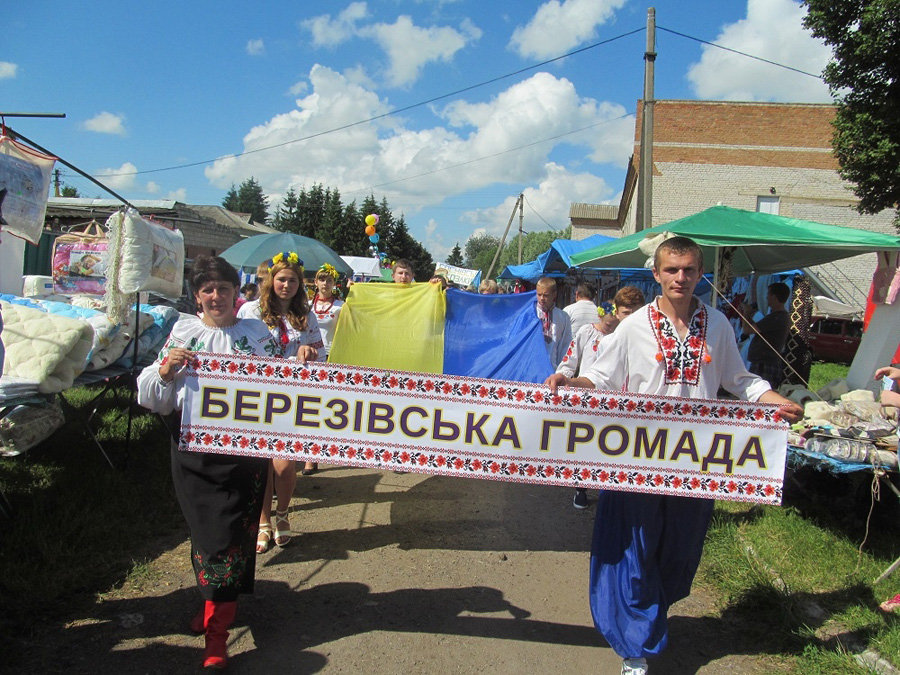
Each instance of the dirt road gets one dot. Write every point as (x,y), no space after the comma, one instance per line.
(395,573)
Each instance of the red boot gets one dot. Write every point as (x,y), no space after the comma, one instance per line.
(218,617)
(198,623)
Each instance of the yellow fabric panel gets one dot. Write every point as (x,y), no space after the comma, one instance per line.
(392,326)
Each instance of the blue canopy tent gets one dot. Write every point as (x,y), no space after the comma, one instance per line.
(554,262)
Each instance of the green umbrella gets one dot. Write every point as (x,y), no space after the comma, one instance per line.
(252,251)
(758,242)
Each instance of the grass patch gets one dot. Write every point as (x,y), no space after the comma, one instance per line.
(823,373)
(79,527)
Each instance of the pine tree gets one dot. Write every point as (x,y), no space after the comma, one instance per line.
(231,200)
(286,215)
(455,257)
(250,199)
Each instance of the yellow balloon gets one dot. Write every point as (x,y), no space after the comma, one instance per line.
(371,220)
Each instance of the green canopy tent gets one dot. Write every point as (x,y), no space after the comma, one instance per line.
(754,242)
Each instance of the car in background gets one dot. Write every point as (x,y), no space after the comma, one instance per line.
(835,339)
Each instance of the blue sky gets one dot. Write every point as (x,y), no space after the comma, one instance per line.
(151,86)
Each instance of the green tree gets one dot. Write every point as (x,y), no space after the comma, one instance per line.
(330,227)
(287,215)
(248,198)
(480,250)
(402,245)
(231,200)
(455,257)
(533,244)
(864,79)
(69,191)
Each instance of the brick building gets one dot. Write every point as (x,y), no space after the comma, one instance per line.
(772,157)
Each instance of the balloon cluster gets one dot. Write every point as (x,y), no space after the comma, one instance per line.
(371,221)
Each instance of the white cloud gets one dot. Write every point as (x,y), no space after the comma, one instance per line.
(549,201)
(106,123)
(122,178)
(152,188)
(772,30)
(410,48)
(558,27)
(328,32)
(8,70)
(298,88)
(256,47)
(179,195)
(469,146)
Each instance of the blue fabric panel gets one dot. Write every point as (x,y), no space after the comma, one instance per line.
(495,337)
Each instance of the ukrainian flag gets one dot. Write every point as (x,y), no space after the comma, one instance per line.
(422,328)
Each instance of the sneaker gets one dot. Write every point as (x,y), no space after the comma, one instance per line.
(580,500)
(634,667)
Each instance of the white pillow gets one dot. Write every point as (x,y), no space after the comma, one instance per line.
(151,257)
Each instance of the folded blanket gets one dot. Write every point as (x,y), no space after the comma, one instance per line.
(47,348)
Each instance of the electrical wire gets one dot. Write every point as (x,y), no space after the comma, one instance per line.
(392,112)
(491,156)
(740,53)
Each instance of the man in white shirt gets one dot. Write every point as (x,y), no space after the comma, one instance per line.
(555,322)
(583,311)
(646,547)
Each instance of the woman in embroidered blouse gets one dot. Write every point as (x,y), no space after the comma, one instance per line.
(585,347)
(220,495)
(284,308)
(326,305)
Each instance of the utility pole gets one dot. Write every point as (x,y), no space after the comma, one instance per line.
(521,231)
(517,205)
(644,213)
(56,182)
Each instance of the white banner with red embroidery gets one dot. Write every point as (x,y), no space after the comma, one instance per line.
(459,426)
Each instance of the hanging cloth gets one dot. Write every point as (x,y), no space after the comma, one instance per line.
(25,176)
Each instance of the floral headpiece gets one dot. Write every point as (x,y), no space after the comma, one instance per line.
(291,258)
(330,270)
(605,308)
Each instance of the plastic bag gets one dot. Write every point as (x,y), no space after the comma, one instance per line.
(25,426)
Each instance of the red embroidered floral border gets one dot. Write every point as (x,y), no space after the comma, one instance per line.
(391,456)
(462,388)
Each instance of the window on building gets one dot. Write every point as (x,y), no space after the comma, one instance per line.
(767,205)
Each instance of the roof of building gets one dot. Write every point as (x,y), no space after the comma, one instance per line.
(595,211)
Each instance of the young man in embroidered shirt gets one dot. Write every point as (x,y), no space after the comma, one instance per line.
(646,547)
(555,322)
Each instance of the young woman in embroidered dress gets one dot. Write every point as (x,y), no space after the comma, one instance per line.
(221,496)
(284,308)
(587,345)
(326,305)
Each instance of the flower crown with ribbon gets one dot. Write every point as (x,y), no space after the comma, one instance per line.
(330,270)
(605,308)
(290,258)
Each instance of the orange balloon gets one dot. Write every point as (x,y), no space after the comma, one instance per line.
(370,230)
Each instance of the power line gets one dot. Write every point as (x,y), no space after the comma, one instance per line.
(740,53)
(496,154)
(387,114)
(538,214)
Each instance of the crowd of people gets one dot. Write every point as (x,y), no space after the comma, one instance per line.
(645,549)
